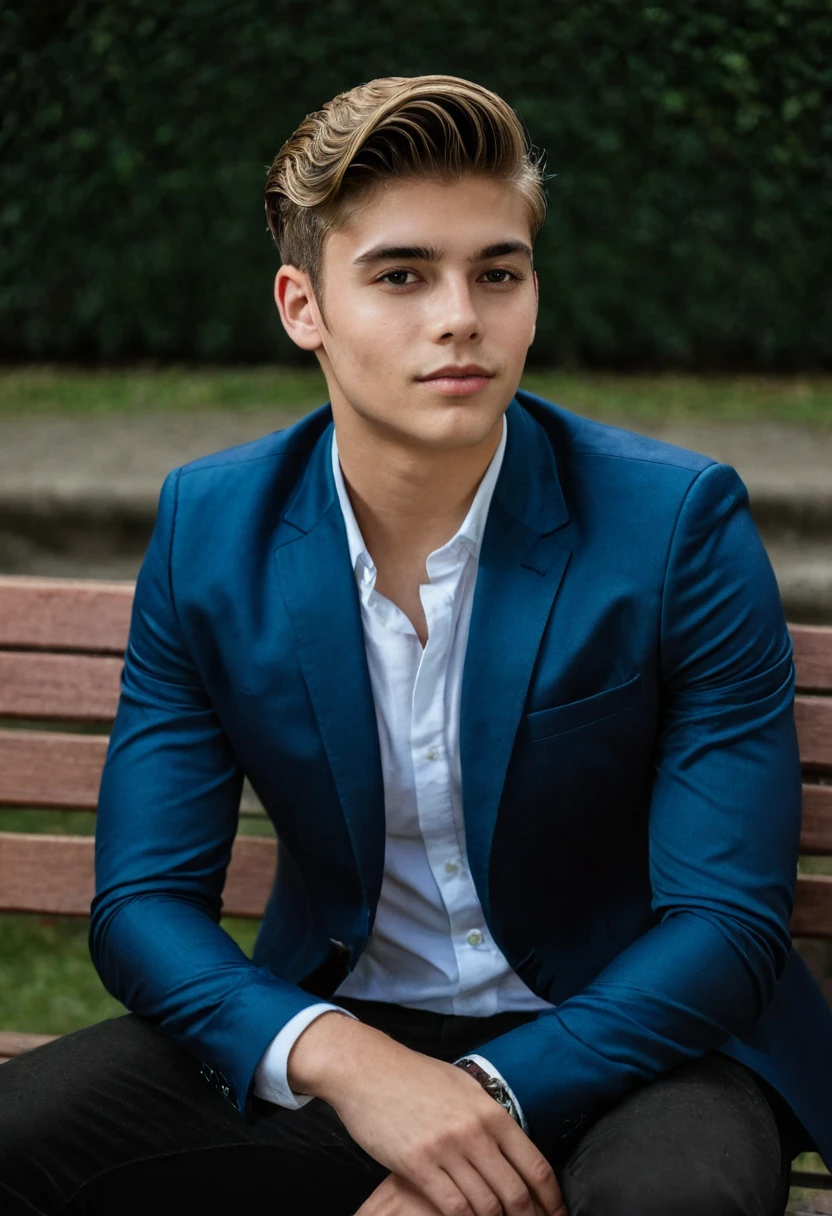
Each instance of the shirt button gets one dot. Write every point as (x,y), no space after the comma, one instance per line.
(451,867)
(474,938)
(432,753)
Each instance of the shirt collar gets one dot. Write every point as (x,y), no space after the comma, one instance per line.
(470,531)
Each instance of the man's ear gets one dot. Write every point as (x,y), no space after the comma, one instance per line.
(297,307)
(537,301)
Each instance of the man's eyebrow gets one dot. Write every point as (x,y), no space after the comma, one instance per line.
(391,253)
(429,253)
(500,250)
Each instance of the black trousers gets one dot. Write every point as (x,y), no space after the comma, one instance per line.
(116,1120)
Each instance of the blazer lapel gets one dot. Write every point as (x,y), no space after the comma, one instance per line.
(522,562)
(321,598)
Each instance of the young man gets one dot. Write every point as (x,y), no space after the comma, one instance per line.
(516,691)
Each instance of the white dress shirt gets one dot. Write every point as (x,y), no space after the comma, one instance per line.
(430,947)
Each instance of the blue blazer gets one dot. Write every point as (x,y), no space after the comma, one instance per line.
(631,781)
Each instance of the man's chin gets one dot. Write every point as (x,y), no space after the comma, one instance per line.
(458,427)
(442,423)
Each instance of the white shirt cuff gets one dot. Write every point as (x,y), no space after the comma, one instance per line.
(488,1067)
(270,1080)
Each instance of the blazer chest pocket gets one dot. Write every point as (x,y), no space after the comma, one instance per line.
(558,719)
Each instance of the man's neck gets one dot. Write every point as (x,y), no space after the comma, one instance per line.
(408,502)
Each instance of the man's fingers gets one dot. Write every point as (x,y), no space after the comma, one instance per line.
(535,1171)
(442,1190)
(496,1185)
(395,1196)
(515,1196)
(484,1197)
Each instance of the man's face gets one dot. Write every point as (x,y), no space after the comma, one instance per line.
(426,276)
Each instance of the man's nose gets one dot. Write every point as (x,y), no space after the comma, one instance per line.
(456,314)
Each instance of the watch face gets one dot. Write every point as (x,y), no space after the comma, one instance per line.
(498,1091)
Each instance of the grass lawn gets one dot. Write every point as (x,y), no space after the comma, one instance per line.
(31,390)
(47,982)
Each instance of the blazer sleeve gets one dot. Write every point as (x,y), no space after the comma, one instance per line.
(724,832)
(167,815)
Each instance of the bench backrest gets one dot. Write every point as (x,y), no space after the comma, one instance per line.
(61,650)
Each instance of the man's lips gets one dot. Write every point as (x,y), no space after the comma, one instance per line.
(461,372)
(458,381)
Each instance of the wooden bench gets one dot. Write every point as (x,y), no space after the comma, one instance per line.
(61,648)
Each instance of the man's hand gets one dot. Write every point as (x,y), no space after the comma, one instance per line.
(428,1122)
(395,1197)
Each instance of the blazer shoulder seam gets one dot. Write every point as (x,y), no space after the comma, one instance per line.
(177,474)
(670,543)
(673,464)
(206,462)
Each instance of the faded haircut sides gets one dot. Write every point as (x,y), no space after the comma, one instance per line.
(391,129)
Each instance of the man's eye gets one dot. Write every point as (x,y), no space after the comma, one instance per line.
(397,278)
(510,274)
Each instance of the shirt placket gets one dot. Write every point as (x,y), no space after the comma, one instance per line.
(432,776)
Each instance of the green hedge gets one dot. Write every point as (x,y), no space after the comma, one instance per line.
(691,143)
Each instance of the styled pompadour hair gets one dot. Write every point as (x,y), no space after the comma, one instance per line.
(396,127)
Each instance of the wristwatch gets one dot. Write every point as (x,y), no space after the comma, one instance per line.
(492,1086)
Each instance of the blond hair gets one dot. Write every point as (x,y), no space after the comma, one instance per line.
(391,128)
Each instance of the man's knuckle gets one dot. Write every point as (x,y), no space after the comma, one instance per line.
(542,1172)
(479,1139)
(418,1160)
(469,1131)
(518,1198)
(458,1205)
(432,1145)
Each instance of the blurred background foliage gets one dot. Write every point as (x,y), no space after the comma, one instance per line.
(691,148)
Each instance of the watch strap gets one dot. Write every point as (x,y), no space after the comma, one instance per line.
(493,1086)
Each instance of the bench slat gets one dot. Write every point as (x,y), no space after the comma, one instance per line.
(51,769)
(72,688)
(813,716)
(48,769)
(56,874)
(816,827)
(60,771)
(64,614)
(813,657)
(93,616)
(812,916)
(811,1179)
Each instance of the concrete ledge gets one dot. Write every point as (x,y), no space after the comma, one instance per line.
(79,496)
